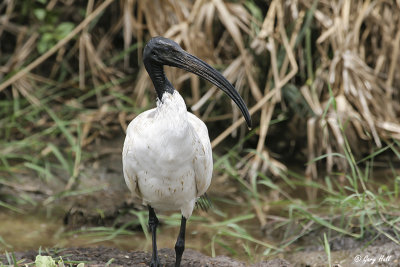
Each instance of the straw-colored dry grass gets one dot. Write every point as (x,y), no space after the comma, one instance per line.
(359,51)
(314,49)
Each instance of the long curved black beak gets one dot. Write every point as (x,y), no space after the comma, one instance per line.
(190,63)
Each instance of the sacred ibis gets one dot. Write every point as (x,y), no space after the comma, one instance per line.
(167,158)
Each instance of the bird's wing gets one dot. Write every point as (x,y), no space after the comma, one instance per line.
(133,143)
(129,164)
(202,162)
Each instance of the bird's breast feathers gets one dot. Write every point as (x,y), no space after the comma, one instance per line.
(167,156)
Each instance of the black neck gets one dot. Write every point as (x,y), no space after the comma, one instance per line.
(160,81)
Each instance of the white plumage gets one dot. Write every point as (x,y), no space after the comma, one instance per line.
(167,157)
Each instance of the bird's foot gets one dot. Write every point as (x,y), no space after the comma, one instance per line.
(178,262)
(179,248)
(155,262)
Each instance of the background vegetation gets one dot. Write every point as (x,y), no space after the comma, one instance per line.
(320,79)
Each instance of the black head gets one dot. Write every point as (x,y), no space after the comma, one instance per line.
(161,51)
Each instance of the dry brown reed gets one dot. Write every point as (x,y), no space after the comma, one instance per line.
(355,53)
(358,48)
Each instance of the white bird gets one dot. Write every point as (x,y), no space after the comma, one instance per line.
(167,157)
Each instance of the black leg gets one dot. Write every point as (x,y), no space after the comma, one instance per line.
(153,222)
(180,243)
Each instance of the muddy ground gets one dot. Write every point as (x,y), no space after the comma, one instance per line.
(385,255)
(101,256)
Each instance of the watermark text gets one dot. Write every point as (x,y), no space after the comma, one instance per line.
(372,259)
